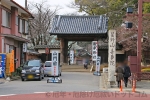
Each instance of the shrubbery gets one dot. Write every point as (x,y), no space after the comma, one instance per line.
(145,69)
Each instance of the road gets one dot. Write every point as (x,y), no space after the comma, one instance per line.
(73,87)
(72,81)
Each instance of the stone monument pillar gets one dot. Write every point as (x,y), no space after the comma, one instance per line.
(112,57)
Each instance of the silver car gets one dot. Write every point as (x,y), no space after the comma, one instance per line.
(48,68)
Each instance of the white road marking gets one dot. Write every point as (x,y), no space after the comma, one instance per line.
(40,92)
(7,95)
(89,91)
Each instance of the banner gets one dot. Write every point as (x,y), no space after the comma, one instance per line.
(98,63)
(112,55)
(55,63)
(12,68)
(71,57)
(94,50)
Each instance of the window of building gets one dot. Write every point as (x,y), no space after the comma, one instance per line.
(6,19)
(16,20)
(22,26)
(7,48)
(11,48)
(26,27)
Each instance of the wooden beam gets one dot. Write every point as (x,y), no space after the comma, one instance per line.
(61,51)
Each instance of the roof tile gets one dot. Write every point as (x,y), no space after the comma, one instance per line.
(79,25)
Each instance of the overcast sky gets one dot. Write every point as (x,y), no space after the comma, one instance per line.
(63,4)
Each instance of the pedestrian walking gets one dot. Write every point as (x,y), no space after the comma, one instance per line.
(69,61)
(85,66)
(119,74)
(127,72)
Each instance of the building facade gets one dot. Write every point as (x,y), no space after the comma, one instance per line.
(47,55)
(14,29)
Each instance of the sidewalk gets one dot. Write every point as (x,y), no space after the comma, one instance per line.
(2,80)
(141,87)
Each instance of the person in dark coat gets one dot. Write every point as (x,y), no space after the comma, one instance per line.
(85,66)
(127,72)
(119,74)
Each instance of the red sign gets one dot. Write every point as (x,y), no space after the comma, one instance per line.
(47,50)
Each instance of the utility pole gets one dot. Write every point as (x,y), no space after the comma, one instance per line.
(139,35)
(26,4)
(140,20)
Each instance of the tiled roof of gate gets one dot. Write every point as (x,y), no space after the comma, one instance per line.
(47,46)
(79,25)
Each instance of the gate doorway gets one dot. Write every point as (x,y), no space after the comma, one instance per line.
(78,28)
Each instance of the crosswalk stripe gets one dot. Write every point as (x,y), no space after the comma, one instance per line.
(7,95)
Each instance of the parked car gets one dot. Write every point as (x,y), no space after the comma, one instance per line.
(48,69)
(32,69)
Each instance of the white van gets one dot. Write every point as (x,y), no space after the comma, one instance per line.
(48,68)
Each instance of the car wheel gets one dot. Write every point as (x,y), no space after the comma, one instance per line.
(40,78)
(44,75)
(22,79)
(60,81)
(60,74)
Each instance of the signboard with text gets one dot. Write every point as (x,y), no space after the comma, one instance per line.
(94,50)
(98,63)
(55,63)
(0,66)
(71,57)
(24,47)
(112,55)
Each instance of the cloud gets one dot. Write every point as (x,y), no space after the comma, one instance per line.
(54,3)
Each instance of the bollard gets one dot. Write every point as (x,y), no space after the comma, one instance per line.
(133,86)
(121,86)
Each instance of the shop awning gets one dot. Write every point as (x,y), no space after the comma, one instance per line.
(17,38)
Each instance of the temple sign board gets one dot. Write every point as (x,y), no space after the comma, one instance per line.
(71,56)
(94,50)
(98,62)
(55,63)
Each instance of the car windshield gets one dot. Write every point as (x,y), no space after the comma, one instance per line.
(48,64)
(32,63)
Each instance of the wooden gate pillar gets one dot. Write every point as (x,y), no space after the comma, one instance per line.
(66,51)
(61,51)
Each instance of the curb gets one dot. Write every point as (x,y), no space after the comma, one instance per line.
(2,82)
(15,78)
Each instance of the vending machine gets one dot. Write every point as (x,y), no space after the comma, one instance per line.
(2,65)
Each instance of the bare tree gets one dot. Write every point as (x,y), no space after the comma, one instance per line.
(39,27)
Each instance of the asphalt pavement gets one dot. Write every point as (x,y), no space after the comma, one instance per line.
(71,81)
(75,86)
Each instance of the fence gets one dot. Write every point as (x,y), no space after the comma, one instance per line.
(141,76)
